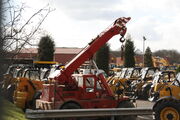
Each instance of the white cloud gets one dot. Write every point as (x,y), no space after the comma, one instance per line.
(76,22)
(89,10)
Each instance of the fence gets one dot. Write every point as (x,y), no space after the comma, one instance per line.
(75,113)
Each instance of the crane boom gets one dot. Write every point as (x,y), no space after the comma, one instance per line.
(118,27)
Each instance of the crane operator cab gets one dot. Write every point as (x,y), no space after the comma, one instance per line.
(91,86)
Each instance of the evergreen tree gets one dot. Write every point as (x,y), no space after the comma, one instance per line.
(46,49)
(129,60)
(102,58)
(148,58)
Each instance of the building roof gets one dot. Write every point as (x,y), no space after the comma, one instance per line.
(58,50)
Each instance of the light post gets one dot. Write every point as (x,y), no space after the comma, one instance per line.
(144,39)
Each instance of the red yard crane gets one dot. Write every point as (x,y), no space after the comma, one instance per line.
(73,91)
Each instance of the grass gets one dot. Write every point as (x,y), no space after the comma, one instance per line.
(11,112)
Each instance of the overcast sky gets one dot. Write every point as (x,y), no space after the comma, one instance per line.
(75,22)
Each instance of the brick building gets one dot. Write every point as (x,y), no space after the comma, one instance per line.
(61,54)
(65,54)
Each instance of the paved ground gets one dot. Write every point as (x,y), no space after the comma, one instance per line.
(143,103)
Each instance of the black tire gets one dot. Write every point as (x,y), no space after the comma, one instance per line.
(126,104)
(70,106)
(167,109)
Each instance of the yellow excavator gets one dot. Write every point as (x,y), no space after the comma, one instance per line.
(167,107)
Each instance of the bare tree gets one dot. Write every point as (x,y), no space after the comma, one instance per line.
(17,32)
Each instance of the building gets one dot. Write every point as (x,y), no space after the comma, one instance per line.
(61,54)
(65,54)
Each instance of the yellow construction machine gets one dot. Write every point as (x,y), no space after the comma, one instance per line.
(160,81)
(159,61)
(10,78)
(124,80)
(22,83)
(167,107)
(27,87)
(112,80)
(140,88)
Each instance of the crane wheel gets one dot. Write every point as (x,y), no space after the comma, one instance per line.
(126,104)
(167,109)
(70,106)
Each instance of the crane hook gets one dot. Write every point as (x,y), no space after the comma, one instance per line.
(122,39)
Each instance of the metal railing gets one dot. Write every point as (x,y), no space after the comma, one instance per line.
(75,113)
